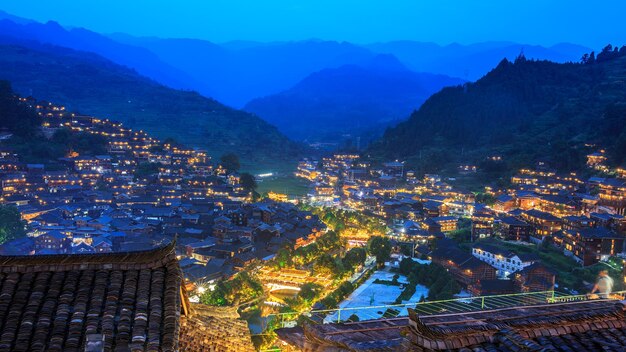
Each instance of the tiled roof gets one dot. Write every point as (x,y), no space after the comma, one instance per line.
(598,232)
(513,221)
(574,326)
(541,215)
(133,300)
(53,302)
(214,329)
(504,198)
(486,247)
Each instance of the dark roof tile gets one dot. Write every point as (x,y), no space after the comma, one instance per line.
(131,299)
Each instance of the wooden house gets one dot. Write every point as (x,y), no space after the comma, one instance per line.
(513,229)
(535,278)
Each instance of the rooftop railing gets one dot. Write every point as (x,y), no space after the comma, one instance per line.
(449,306)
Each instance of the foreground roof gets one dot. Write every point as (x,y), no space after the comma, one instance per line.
(574,326)
(124,301)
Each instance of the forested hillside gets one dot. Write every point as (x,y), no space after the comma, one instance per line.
(90,84)
(27,140)
(349,100)
(523,110)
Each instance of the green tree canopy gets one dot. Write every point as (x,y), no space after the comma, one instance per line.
(146,169)
(15,116)
(309,291)
(329,241)
(380,247)
(354,257)
(327,265)
(11,224)
(283,258)
(215,297)
(248,182)
(230,162)
(82,142)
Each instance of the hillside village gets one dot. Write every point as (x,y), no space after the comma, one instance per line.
(489,240)
(312,177)
(141,193)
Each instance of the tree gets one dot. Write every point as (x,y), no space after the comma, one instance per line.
(146,169)
(305,254)
(88,143)
(380,247)
(11,224)
(353,318)
(309,291)
(461,235)
(329,241)
(493,167)
(248,182)
(216,296)
(327,265)
(18,118)
(230,162)
(283,258)
(170,141)
(485,198)
(354,257)
(82,142)
(245,287)
(592,58)
(585,58)
(156,149)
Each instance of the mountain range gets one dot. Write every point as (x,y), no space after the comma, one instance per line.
(309,89)
(356,100)
(140,59)
(523,110)
(471,62)
(90,84)
(237,72)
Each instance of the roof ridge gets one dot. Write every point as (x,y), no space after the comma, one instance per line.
(148,258)
(478,329)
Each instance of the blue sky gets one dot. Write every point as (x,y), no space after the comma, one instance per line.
(545,22)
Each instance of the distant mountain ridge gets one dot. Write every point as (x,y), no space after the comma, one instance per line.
(470,62)
(93,85)
(351,99)
(284,82)
(239,71)
(523,110)
(236,74)
(140,59)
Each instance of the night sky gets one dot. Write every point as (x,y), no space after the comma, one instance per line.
(544,22)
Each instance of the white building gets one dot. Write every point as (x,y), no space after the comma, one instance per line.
(504,261)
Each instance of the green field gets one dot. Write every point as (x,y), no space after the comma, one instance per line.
(287,184)
(284,166)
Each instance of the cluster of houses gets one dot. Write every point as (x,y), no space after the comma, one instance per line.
(104,203)
(389,191)
(490,270)
(582,218)
(416,209)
